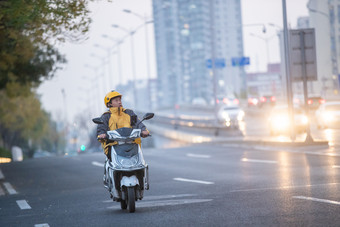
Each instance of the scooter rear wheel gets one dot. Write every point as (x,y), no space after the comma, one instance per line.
(131,199)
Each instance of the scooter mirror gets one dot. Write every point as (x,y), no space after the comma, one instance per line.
(98,120)
(148,116)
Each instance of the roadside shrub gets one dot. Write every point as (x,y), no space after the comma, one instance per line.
(5,153)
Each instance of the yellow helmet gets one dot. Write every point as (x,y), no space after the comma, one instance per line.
(112,94)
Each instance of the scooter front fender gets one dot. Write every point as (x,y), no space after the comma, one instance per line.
(129,181)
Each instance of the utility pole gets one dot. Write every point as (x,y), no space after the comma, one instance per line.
(213,56)
(287,66)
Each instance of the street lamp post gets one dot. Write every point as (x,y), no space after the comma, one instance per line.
(131,33)
(119,63)
(144,19)
(102,59)
(108,64)
(95,69)
(287,66)
(266,40)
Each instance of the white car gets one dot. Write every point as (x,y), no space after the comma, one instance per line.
(230,116)
(279,121)
(328,115)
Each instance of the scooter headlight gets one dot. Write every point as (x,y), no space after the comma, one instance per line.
(128,162)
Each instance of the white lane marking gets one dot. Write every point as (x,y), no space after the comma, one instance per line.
(42,225)
(10,189)
(193,181)
(166,203)
(258,161)
(284,187)
(317,200)
(158,197)
(1,175)
(98,164)
(23,204)
(198,155)
(335,167)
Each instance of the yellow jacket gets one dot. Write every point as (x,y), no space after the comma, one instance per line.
(118,117)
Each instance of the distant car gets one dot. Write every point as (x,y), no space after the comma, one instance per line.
(328,115)
(253,101)
(267,101)
(279,121)
(199,102)
(315,102)
(229,100)
(230,116)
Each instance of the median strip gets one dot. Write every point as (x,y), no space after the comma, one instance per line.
(23,205)
(317,200)
(193,181)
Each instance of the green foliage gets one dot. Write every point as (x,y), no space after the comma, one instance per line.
(23,120)
(28,28)
(4,153)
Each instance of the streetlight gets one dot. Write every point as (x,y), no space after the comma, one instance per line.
(266,40)
(109,60)
(131,33)
(144,19)
(287,66)
(95,69)
(102,59)
(118,56)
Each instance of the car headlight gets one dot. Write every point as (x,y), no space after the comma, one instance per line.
(328,116)
(240,115)
(225,116)
(304,120)
(280,122)
(128,162)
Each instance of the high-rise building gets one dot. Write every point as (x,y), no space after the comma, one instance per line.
(188,34)
(325,18)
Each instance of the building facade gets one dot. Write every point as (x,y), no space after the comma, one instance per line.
(189,33)
(325,18)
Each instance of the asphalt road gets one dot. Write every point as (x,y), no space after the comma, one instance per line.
(201,185)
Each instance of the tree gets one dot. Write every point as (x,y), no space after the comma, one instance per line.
(28,28)
(24,123)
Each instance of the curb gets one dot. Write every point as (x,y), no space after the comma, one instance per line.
(197,138)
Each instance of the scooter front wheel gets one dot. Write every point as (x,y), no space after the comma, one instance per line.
(131,199)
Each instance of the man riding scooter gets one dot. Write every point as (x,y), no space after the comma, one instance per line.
(116,117)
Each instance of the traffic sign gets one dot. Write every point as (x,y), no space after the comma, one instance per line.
(240,61)
(303,54)
(219,63)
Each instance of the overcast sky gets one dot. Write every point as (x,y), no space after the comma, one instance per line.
(83,91)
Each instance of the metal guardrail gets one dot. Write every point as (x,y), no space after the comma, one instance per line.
(195,123)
